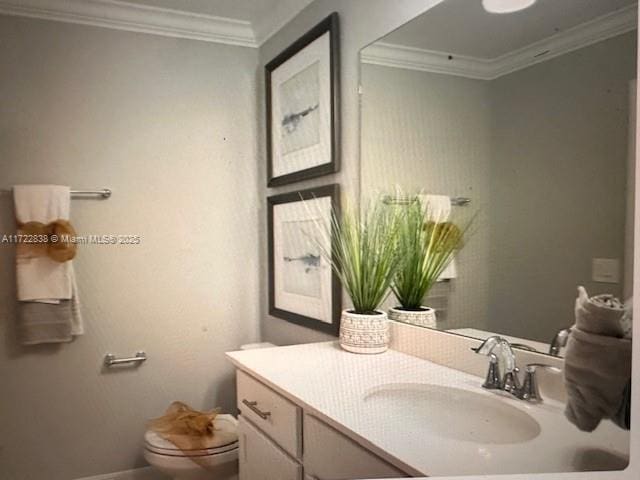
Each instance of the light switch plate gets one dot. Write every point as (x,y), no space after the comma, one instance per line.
(606,270)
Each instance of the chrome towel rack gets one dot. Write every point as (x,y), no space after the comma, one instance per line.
(455,201)
(110,360)
(102,193)
(460,201)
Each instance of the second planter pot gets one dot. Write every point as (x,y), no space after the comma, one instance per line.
(425,317)
(364,333)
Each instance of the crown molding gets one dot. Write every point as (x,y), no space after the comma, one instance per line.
(398,56)
(136,18)
(599,29)
(269,25)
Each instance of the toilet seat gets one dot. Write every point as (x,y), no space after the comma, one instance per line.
(156,444)
(225,423)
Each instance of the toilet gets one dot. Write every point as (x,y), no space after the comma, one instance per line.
(219,463)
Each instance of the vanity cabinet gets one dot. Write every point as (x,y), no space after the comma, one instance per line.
(277,417)
(330,455)
(278,440)
(262,459)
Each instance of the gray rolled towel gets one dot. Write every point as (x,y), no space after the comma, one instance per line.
(622,418)
(597,363)
(601,314)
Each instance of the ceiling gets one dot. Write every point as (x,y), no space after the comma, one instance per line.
(266,16)
(463,27)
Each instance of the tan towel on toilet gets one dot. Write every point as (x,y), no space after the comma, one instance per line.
(597,364)
(191,430)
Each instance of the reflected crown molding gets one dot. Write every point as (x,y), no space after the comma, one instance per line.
(136,18)
(411,58)
(399,56)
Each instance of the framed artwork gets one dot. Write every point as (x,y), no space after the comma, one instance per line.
(303,289)
(303,107)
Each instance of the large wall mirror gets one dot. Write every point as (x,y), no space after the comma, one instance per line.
(527,115)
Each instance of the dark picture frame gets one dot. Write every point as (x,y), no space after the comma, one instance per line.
(329,25)
(334,289)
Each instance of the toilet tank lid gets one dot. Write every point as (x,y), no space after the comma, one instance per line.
(252,346)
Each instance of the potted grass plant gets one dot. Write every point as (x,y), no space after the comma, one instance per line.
(425,247)
(363,255)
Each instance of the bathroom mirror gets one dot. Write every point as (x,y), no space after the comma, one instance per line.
(527,115)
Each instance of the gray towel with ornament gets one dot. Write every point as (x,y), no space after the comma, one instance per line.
(598,362)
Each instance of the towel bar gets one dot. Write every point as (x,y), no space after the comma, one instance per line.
(110,359)
(102,193)
(455,201)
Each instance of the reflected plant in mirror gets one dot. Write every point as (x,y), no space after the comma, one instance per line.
(427,243)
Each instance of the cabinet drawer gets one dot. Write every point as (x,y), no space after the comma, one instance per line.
(329,455)
(261,459)
(273,414)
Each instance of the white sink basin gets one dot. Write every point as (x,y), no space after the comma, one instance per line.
(453,413)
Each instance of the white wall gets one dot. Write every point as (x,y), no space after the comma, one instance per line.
(170,126)
(361,22)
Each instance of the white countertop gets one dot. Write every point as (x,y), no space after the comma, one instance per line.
(331,384)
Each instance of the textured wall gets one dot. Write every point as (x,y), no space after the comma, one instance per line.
(169,125)
(361,22)
(542,152)
(559,183)
(432,132)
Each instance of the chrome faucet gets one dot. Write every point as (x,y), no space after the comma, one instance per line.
(559,340)
(494,380)
(510,381)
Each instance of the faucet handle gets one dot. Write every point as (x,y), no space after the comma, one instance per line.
(512,382)
(530,391)
(493,381)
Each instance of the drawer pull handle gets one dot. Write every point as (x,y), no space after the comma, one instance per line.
(253,406)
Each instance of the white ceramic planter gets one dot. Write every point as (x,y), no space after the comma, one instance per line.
(364,333)
(423,318)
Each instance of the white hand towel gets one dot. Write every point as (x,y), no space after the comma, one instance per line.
(41,280)
(438,209)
